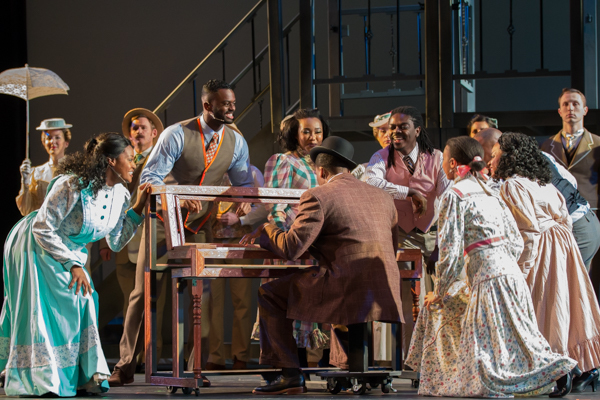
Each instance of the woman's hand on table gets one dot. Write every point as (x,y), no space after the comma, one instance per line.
(143,192)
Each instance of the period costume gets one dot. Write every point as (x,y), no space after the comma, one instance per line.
(293,170)
(192,154)
(32,193)
(357,279)
(49,335)
(565,303)
(427,177)
(484,343)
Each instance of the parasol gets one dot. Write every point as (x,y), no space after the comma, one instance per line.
(29,83)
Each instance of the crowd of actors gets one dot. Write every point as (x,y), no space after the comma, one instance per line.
(508,233)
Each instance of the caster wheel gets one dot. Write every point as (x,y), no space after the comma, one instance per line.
(172,389)
(334,386)
(359,388)
(187,390)
(385,388)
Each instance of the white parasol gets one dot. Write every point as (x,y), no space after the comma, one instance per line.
(29,83)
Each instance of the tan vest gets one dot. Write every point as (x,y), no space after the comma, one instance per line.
(424,180)
(190,168)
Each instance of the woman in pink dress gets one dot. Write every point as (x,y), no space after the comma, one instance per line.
(565,303)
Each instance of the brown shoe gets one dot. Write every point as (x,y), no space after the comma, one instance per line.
(210,366)
(238,364)
(118,378)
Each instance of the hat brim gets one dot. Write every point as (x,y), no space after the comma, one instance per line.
(348,163)
(378,124)
(52,128)
(146,113)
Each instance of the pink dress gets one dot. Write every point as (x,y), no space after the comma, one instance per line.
(563,297)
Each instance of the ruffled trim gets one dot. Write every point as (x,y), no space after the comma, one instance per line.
(587,354)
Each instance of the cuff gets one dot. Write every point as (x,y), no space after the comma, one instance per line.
(138,219)
(70,264)
(244,220)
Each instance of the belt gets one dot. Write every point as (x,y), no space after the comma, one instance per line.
(432,229)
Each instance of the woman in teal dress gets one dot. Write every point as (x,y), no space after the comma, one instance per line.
(49,342)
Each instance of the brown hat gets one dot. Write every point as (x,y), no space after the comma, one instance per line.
(125,125)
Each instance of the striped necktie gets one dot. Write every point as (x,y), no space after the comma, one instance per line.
(409,164)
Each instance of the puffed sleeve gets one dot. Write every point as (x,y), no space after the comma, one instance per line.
(521,205)
(278,174)
(125,229)
(451,228)
(60,202)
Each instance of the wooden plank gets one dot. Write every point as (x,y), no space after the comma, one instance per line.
(227,191)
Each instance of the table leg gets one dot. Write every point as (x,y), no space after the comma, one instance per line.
(197,313)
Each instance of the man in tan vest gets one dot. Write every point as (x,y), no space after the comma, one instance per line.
(185,151)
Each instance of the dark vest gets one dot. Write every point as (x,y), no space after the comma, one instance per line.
(189,169)
(572,196)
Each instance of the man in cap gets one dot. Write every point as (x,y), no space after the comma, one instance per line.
(34,181)
(142,127)
(185,151)
(357,279)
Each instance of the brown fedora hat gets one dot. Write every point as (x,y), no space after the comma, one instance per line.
(146,113)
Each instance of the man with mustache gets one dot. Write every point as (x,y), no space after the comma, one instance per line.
(185,151)
(411,172)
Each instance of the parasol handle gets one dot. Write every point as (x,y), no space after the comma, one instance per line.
(27,121)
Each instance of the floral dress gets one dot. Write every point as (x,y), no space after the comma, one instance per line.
(486,344)
(292,170)
(49,340)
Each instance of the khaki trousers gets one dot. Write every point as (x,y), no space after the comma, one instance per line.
(426,243)
(132,341)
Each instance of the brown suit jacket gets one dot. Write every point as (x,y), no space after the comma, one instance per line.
(584,165)
(351,229)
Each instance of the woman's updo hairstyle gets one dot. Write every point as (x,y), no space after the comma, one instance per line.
(288,137)
(90,166)
(464,150)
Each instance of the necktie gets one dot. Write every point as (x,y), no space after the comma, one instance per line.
(409,164)
(212,148)
(571,139)
(138,157)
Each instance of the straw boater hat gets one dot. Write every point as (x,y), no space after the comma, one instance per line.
(380,120)
(337,147)
(52,124)
(146,113)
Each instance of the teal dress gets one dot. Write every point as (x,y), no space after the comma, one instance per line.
(49,338)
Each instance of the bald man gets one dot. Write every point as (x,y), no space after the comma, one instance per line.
(487,138)
(586,227)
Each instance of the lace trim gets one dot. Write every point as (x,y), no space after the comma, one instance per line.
(4,348)
(42,354)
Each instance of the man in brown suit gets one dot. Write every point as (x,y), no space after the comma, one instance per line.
(350,227)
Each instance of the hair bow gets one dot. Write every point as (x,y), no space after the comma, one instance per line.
(462,170)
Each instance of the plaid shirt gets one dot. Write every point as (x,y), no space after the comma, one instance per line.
(288,171)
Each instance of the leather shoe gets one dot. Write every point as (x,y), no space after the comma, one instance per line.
(565,383)
(118,378)
(2,378)
(210,366)
(281,385)
(239,364)
(588,378)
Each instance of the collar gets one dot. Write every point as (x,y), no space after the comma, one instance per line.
(333,177)
(414,154)
(207,130)
(145,152)
(573,135)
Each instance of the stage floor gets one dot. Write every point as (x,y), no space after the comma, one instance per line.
(240,387)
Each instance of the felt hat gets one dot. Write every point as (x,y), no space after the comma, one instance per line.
(337,147)
(380,120)
(52,124)
(125,125)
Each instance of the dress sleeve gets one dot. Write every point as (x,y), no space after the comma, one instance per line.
(60,202)
(522,208)
(125,229)
(278,174)
(511,230)
(26,199)
(451,228)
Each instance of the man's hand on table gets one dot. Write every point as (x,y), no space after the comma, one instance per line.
(250,237)
(193,206)
(229,218)
(243,209)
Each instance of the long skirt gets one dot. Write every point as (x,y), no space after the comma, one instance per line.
(49,338)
